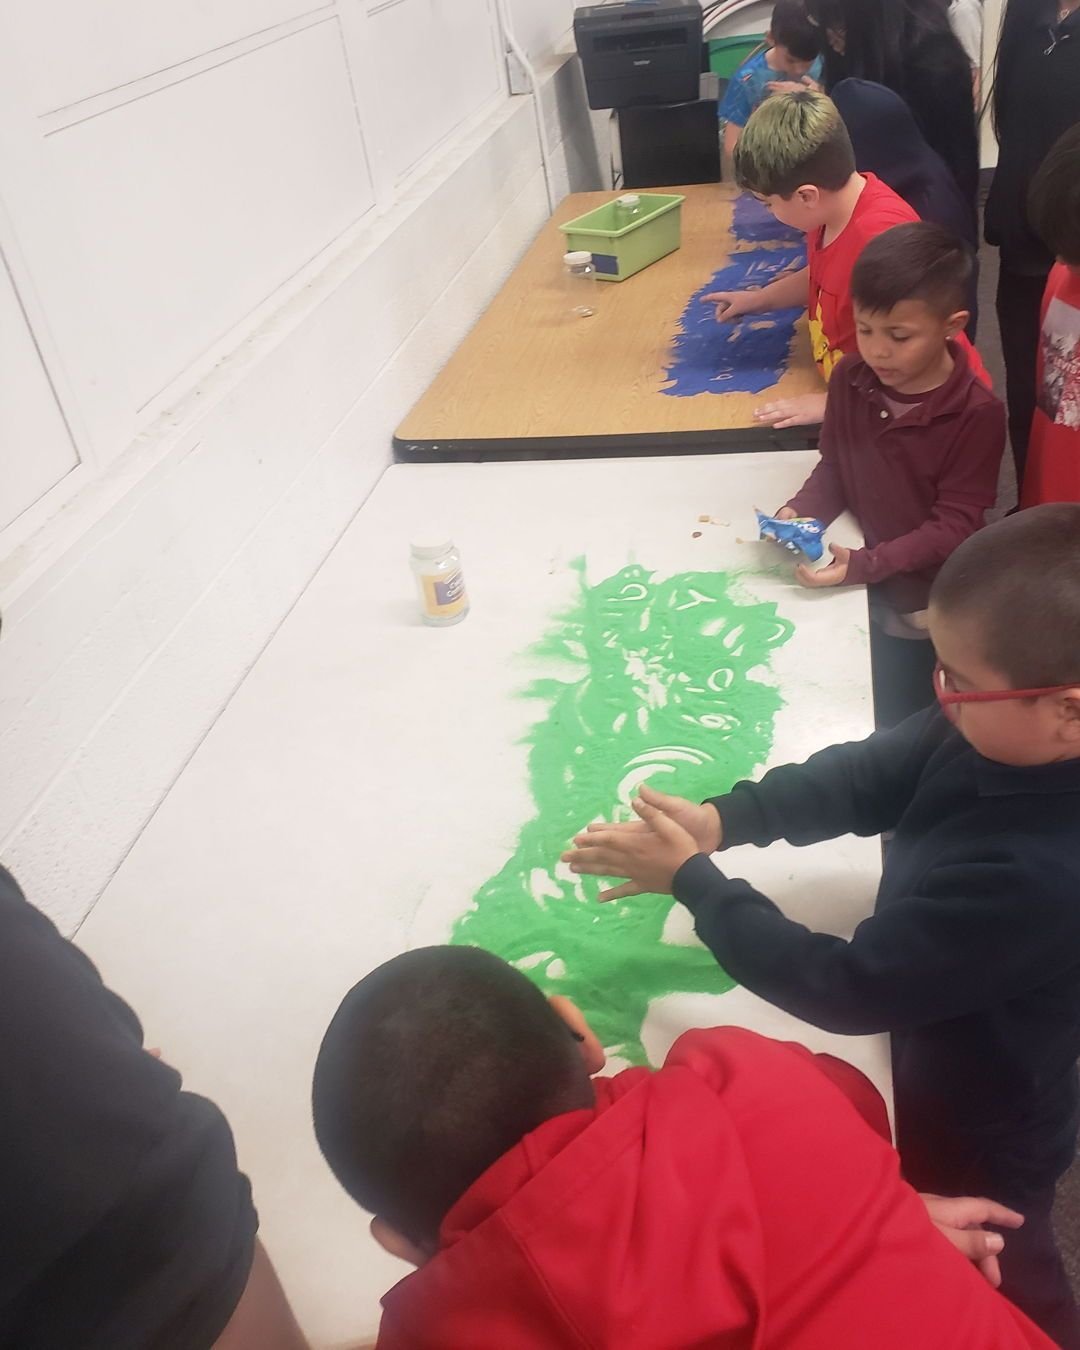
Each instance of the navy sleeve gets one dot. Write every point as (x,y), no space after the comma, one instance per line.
(974,933)
(862,788)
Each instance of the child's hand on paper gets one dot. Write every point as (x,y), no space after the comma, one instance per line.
(806,410)
(650,850)
(785,513)
(732,305)
(832,574)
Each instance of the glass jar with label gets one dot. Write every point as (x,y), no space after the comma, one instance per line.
(436,564)
(579,276)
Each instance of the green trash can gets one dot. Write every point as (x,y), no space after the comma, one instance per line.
(726,55)
(621,250)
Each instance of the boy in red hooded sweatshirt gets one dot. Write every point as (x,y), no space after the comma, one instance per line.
(741,1196)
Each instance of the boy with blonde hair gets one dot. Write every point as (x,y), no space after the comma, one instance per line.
(795,156)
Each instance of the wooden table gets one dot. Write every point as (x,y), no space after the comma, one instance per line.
(530,379)
(371,774)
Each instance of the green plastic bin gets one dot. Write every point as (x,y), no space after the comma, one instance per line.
(619,252)
(726,55)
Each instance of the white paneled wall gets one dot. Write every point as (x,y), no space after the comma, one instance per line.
(540,27)
(72,52)
(212,317)
(40,450)
(433,65)
(200,199)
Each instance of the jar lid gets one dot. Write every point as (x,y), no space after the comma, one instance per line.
(430,544)
(629,199)
(577,259)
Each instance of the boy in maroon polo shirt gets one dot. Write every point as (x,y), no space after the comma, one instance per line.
(911,445)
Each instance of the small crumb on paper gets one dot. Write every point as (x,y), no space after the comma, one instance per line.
(696,534)
(704,520)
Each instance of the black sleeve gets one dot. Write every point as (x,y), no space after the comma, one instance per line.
(973,932)
(126,1221)
(939,95)
(862,787)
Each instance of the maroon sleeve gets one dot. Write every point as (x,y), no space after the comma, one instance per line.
(967,489)
(821,497)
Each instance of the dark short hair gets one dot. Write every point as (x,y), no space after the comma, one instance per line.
(907,45)
(791,28)
(1054,199)
(791,140)
(1019,582)
(435,1065)
(916,261)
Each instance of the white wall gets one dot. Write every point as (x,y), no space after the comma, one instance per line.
(540,28)
(992,11)
(221,294)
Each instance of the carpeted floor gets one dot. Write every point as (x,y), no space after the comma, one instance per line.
(1067,1209)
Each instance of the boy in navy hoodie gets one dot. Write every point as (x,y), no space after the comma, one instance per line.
(972,957)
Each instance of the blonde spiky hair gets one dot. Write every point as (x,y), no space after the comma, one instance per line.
(791,140)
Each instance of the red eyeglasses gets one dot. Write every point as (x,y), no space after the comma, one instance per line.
(948,697)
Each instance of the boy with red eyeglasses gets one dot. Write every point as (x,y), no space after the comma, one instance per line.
(972,957)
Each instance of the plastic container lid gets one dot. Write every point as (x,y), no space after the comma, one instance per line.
(430,544)
(629,199)
(577,259)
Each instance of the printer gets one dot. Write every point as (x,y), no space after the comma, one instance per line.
(639,52)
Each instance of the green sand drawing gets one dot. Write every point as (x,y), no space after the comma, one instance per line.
(668,689)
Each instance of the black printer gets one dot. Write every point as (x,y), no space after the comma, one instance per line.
(639,52)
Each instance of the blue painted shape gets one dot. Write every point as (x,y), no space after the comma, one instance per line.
(606,263)
(743,357)
(754,223)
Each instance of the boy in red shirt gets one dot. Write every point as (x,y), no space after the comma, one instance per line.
(911,446)
(738,1197)
(1053,463)
(795,156)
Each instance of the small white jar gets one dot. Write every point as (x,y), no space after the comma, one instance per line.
(436,564)
(579,279)
(627,209)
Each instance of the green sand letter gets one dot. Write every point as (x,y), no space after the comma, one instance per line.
(669,691)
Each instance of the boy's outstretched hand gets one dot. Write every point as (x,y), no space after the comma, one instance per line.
(732,305)
(793,86)
(650,850)
(801,411)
